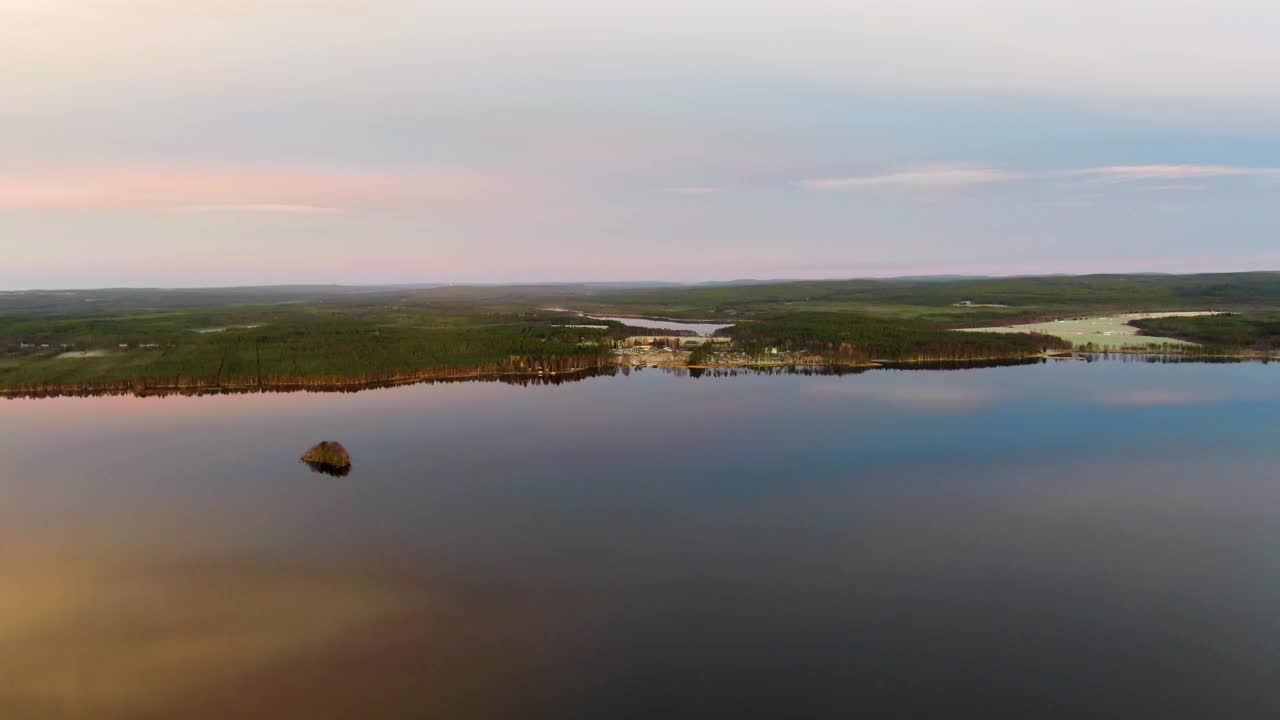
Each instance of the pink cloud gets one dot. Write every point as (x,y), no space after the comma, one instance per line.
(277,208)
(944,176)
(932,176)
(1177,172)
(252,189)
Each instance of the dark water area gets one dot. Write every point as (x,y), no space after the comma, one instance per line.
(1063,539)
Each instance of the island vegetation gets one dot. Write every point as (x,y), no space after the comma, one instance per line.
(341,338)
(328,457)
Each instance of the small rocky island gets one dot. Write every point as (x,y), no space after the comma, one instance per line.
(328,457)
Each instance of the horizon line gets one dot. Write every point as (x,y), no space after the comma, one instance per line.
(430,285)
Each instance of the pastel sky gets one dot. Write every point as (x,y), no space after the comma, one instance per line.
(230,142)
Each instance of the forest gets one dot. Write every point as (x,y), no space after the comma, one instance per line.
(331,336)
(1220,334)
(258,347)
(848,337)
(960,302)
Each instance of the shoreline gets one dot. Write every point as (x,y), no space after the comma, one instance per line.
(141,388)
(144,389)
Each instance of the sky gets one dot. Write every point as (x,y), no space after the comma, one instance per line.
(184,143)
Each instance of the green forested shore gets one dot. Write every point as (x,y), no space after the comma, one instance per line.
(1221,334)
(857,337)
(344,337)
(290,349)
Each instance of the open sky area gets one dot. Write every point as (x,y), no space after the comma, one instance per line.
(233,142)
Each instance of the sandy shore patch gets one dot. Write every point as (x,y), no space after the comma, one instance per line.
(1104,331)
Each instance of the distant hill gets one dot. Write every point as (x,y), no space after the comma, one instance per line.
(1131,291)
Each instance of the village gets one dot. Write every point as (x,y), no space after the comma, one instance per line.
(676,350)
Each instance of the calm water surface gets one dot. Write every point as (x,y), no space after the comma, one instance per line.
(1062,540)
(701,328)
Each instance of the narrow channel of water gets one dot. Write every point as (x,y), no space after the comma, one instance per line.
(701,328)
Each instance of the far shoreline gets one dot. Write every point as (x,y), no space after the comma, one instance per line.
(527,377)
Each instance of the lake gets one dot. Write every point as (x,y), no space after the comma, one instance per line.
(700,328)
(1066,539)
(649,323)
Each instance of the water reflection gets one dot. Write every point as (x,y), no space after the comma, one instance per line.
(1065,539)
(327,469)
(143,634)
(508,378)
(538,380)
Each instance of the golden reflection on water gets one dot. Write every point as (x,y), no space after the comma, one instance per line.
(92,637)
